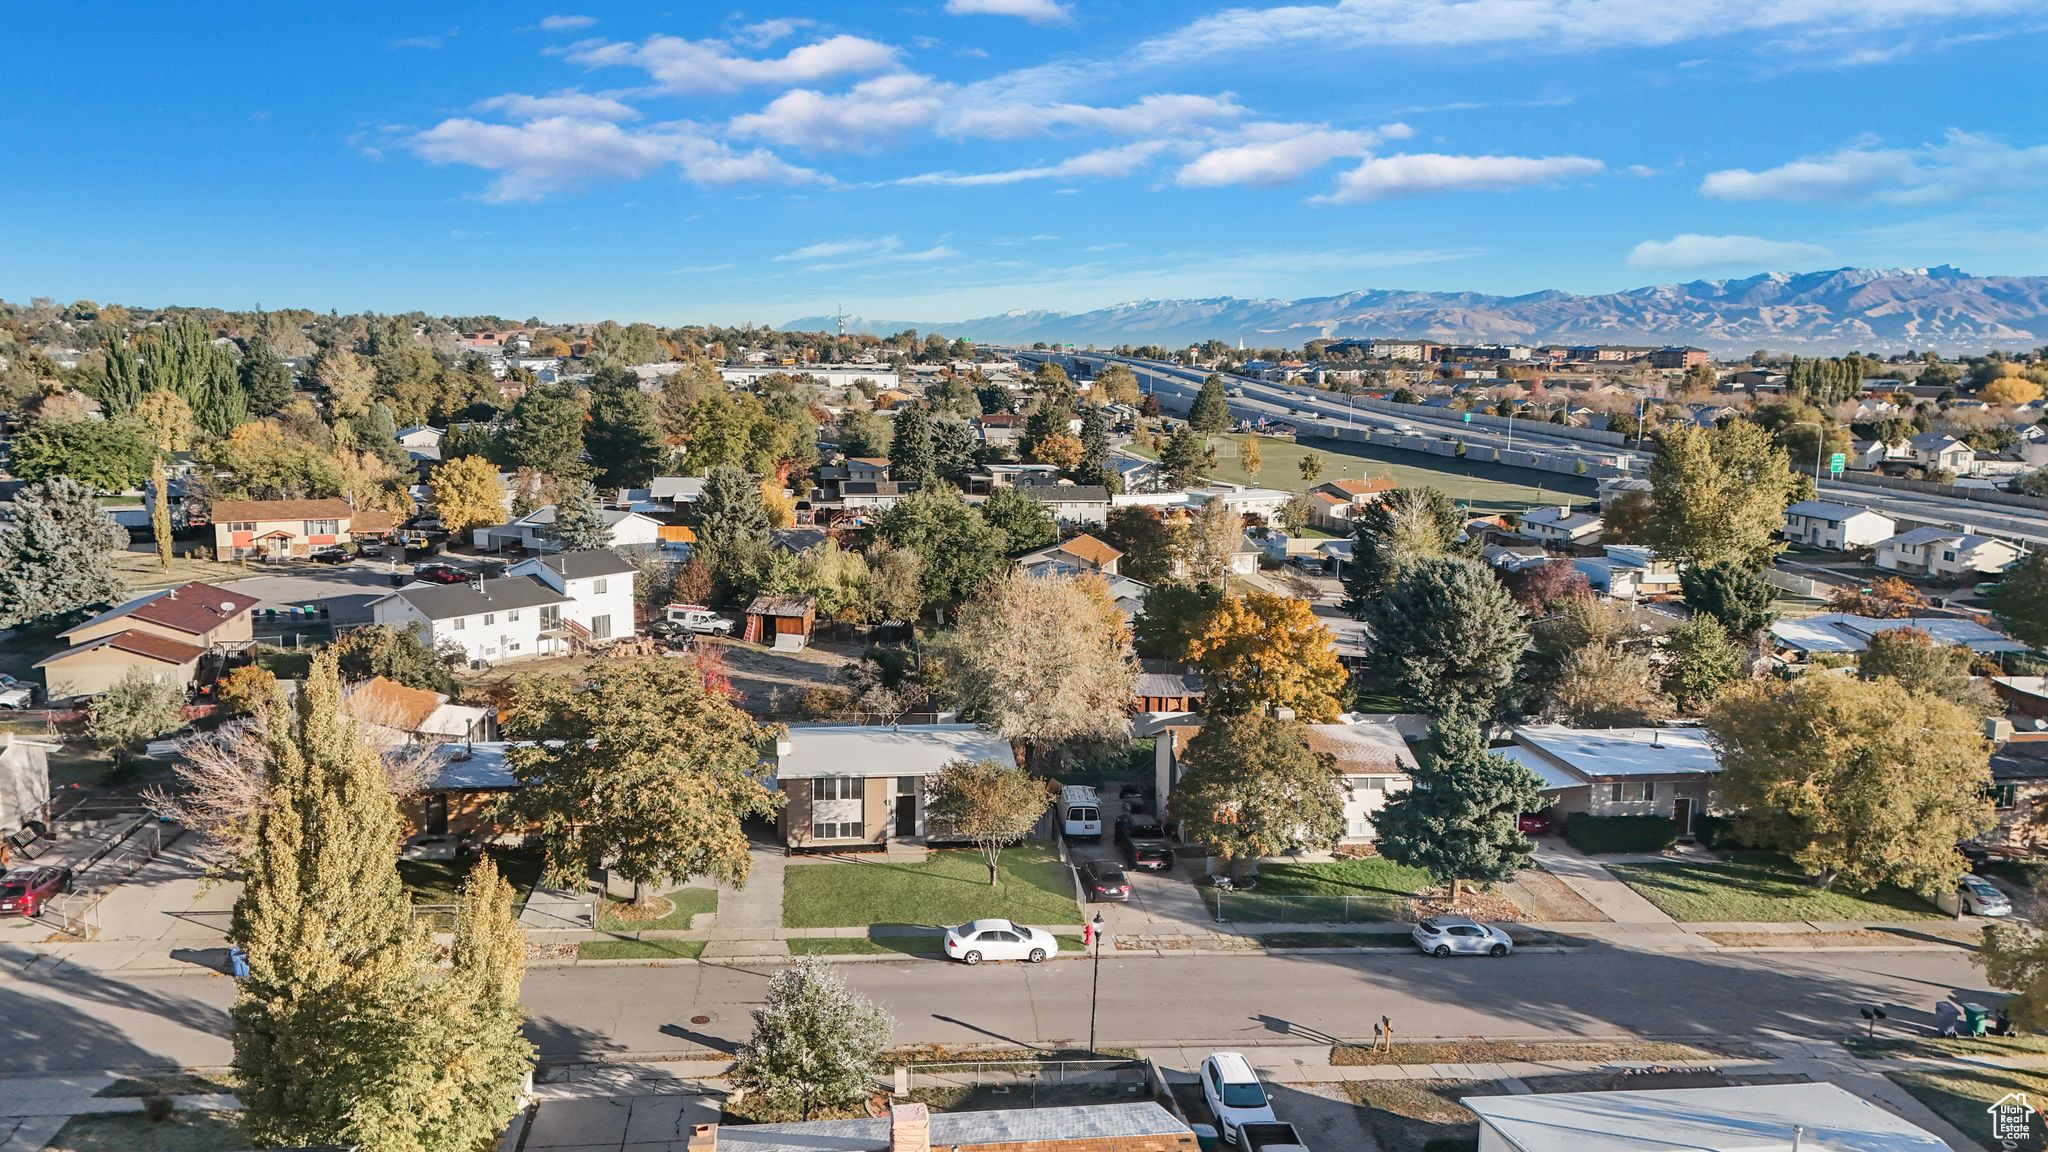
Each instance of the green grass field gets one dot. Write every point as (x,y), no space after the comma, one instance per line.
(1964,1096)
(1337,892)
(951,887)
(684,905)
(1485,488)
(1760,893)
(640,949)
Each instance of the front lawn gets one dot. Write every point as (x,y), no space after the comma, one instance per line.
(894,946)
(1760,892)
(440,881)
(950,887)
(672,912)
(1963,1097)
(134,1132)
(640,949)
(1333,892)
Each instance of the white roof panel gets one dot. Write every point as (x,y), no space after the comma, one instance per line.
(885,750)
(1742,1119)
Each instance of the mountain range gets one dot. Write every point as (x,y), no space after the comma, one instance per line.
(1847,309)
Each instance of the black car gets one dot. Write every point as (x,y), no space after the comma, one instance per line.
(331,556)
(1103,880)
(1144,844)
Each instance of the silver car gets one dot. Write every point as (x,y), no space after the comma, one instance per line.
(1443,935)
(1981,898)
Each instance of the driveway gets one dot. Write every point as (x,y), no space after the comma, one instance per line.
(1161,902)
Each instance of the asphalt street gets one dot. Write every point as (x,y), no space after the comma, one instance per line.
(72,1021)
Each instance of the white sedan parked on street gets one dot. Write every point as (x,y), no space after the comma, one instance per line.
(1443,935)
(999,940)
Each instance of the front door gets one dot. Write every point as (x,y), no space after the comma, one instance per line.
(437,814)
(1681,814)
(906,806)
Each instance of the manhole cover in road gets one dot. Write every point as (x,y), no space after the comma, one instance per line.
(700,1019)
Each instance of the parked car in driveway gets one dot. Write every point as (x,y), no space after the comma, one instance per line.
(331,556)
(442,574)
(1103,880)
(1144,844)
(24,891)
(1533,824)
(15,693)
(1443,935)
(999,940)
(1234,1094)
(1981,898)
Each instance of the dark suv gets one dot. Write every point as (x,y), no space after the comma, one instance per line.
(1144,844)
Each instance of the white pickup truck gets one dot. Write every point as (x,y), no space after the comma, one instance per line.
(15,694)
(697,618)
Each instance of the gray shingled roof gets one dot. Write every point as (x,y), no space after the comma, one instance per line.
(586,564)
(447,601)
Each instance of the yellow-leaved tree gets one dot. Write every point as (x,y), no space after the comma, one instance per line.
(1260,651)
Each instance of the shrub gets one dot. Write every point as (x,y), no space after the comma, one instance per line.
(1717,832)
(1589,833)
(159,1108)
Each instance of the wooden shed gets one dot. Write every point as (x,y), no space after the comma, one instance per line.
(781,621)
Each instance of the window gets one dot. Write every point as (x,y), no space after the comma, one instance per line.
(242,526)
(600,627)
(460,623)
(600,586)
(2005,796)
(1620,792)
(322,527)
(838,788)
(551,616)
(512,615)
(490,618)
(840,831)
(1373,784)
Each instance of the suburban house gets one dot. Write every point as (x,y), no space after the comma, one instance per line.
(1163,688)
(165,634)
(2019,796)
(531,531)
(422,442)
(1933,450)
(1836,527)
(464,783)
(1618,486)
(2025,696)
(287,529)
(490,620)
(1843,632)
(1514,557)
(863,470)
(854,785)
(599,584)
(1335,504)
(392,714)
(1944,552)
(1629,572)
(1559,524)
(783,622)
(874,495)
(990,477)
(1371,752)
(1746,1118)
(1621,771)
(664,493)
(1083,553)
(1072,505)
(1136,473)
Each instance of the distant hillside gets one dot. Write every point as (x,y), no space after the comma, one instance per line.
(1873,310)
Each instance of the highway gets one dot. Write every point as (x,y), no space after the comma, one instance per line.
(1319,413)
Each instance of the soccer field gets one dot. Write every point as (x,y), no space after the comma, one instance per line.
(1484,488)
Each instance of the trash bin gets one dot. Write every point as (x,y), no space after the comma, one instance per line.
(1976,1019)
(238,962)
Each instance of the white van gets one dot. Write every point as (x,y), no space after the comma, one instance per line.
(1080,813)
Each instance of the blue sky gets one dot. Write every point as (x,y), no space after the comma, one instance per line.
(954,158)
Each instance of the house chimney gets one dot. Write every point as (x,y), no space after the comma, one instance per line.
(910,1128)
(703,1138)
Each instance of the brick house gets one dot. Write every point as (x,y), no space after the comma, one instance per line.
(287,529)
(1621,771)
(855,785)
(166,634)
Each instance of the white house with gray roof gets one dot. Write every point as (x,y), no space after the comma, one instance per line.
(531,531)
(1620,771)
(1836,527)
(490,620)
(854,785)
(1940,552)
(1559,524)
(599,584)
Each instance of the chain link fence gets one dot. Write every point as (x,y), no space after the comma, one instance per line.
(1236,907)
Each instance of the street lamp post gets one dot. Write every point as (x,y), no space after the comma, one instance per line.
(1820,441)
(1095,984)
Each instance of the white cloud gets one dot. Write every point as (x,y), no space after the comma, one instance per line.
(1557,25)
(863,252)
(1101,164)
(990,112)
(1414,174)
(1962,165)
(762,33)
(579,105)
(851,246)
(566,23)
(681,65)
(1036,11)
(871,113)
(1692,250)
(558,153)
(1272,154)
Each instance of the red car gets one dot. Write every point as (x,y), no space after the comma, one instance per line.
(1531,824)
(24,891)
(442,574)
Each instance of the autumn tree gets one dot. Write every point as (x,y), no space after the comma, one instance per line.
(1540,588)
(988,804)
(1254,787)
(1447,635)
(1310,466)
(1920,664)
(1859,781)
(1720,493)
(1605,686)
(1459,819)
(136,709)
(1042,660)
(465,493)
(1699,662)
(1886,598)
(1203,541)
(1402,525)
(2015,956)
(1248,456)
(400,654)
(1261,651)
(643,769)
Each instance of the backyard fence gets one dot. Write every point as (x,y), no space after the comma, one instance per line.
(1231,906)
(1030,1082)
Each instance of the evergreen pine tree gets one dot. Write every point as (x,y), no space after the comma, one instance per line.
(952,449)
(1211,410)
(912,454)
(57,552)
(266,378)
(732,530)
(1458,820)
(322,1022)
(1094,468)
(622,439)
(1405,524)
(579,522)
(378,435)
(1447,635)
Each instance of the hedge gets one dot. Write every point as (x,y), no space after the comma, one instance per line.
(1716,832)
(1589,833)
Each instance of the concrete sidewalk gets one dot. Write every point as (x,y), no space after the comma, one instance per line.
(1599,887)
(33,1108)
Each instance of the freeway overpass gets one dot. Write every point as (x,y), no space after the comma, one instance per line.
(1329,415)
